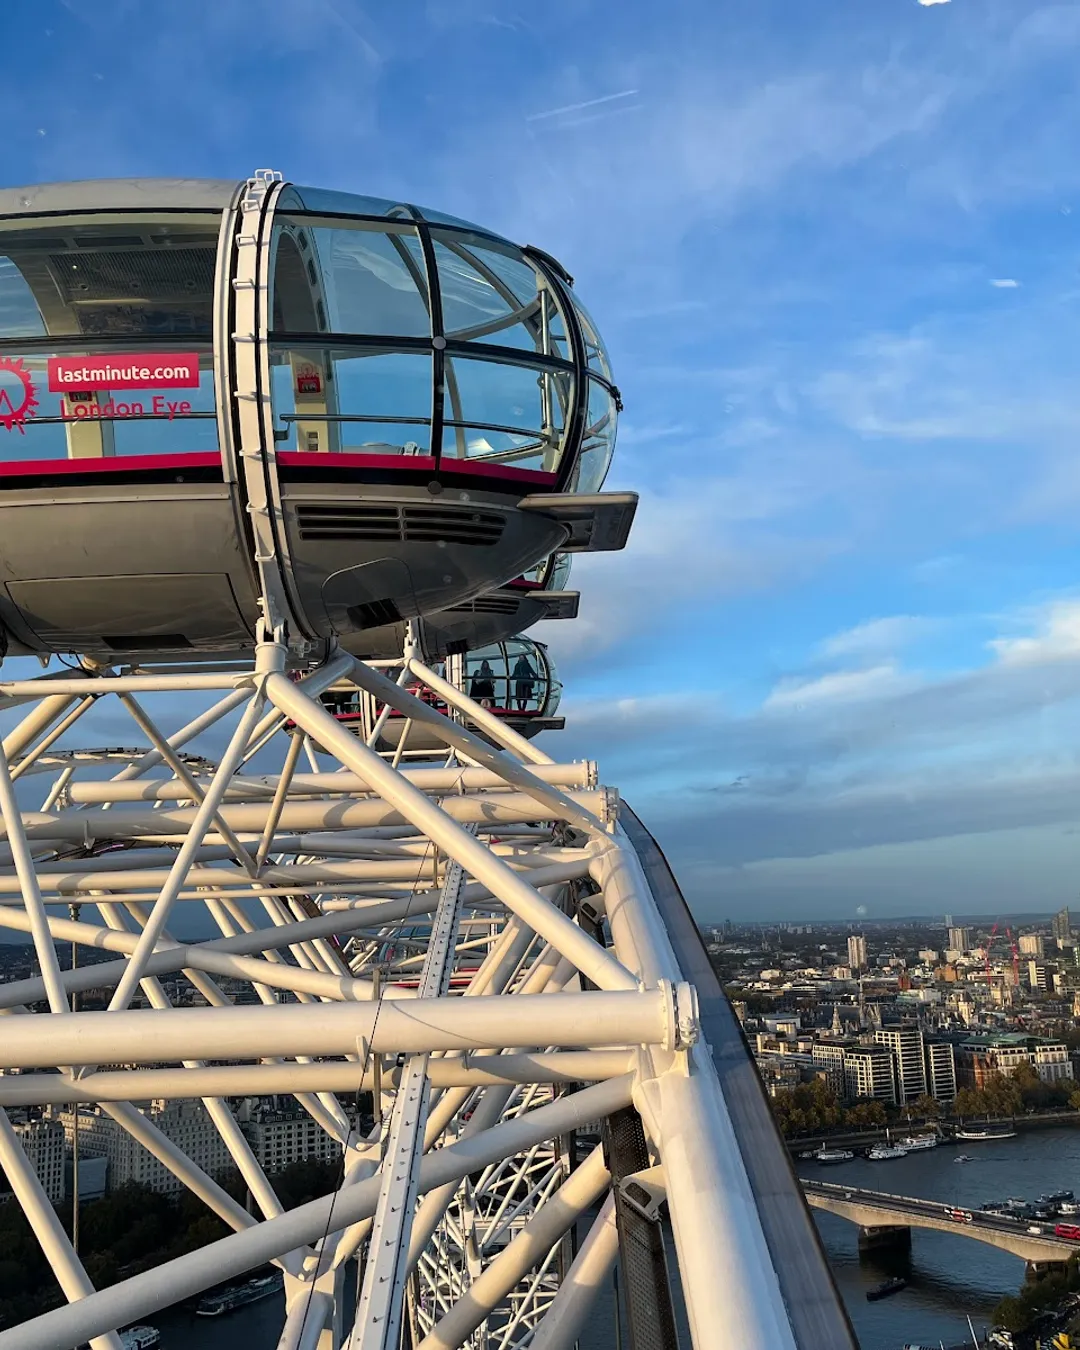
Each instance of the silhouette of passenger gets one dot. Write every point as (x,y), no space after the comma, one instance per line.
(524,682)
(483,685)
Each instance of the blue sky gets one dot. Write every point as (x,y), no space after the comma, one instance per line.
(834,249)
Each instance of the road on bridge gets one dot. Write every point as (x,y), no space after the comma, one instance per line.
(880,1209)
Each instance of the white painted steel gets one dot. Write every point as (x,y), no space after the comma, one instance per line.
(325,885)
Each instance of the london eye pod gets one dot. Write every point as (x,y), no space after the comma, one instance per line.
(225,402)
(514,681)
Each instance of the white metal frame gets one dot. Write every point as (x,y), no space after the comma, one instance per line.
(410,931)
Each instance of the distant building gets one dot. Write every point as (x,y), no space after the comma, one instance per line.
(868,1072)
(1038,976)
(856,951)
(43,1144)
(941,1070)
(928,956)
(280,1137)
(960,940)
(1031,944)
(980,1056)
(948,921)
(905,1044)
(1060,925)
(186,1123)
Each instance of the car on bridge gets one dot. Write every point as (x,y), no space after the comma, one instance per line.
(958,1215)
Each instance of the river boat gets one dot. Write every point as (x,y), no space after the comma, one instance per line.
(892,1286)
(1055,1197)
(140,1338)
(914,1143)
(984,1132)
(962,1158)
(238,1296)
(882,1152)
(832,1155)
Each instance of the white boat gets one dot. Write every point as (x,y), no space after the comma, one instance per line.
(913,1143)
(140,1338)
(832,1155)
(880,1152)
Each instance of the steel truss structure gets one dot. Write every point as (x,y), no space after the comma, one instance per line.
(472,941)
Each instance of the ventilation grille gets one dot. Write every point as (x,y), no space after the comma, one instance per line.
(165,274)
(374,613)
(488,604)
(401,524)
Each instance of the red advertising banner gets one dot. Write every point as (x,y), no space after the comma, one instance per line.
(154,370)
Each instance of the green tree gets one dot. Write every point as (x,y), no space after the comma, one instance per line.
(926,1107)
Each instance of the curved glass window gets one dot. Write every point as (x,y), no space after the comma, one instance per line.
(493,345)
(356,400)
(348,203)
(595,352)
(551,573)
(516,677)
(355,278)
(491,293)
(598,444)
(509,413)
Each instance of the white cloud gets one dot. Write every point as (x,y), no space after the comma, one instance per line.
(1005,283)
(878,636)
(933,2)
(842,686)
(1058,638)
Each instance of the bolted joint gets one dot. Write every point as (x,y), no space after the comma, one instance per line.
(681,1007)
(609,812)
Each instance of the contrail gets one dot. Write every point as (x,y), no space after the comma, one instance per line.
(577,107)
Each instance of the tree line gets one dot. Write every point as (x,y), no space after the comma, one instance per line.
(129,1230)
(815,1108)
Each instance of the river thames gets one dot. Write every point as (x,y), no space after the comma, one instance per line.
(950,1277)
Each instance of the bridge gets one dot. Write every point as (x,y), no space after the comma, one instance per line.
(879,1209)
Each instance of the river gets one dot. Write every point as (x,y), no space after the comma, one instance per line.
(950,1277)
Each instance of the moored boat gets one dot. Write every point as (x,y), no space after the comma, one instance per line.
(238,1296)
(913,1143)
(984,1133)
(881,1152)
(832,1155)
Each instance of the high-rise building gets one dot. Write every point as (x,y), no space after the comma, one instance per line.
(868,1072)
(856,952)
(948,920)
(1030,944)
(960,939)
(43,1143)
(1060,925)
(905,1044)
(941,1070)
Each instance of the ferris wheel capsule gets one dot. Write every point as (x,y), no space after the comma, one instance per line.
(223,403)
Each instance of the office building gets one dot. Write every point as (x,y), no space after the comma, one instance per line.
(1060,925)
(280,1135)
(905,1044)
(43,1143)
(856,951)
(941,1071)
(186,1123)
(868,1072)
(960,939)
(1030,944)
